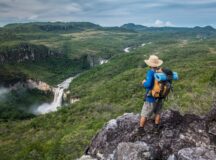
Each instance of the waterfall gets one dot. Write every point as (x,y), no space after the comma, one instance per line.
(57,101)
(103,61)
(3,92)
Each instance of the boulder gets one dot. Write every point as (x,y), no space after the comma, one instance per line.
(197,153)
(178,137)
(131,151)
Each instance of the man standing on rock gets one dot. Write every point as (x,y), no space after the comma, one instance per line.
(150,106)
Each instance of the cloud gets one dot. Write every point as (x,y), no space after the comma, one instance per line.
(159,23)
(37,8)
(190,2)
(110,12)
(33,17)
(73,7)
(153,5)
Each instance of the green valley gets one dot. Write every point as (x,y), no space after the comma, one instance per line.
(106,91)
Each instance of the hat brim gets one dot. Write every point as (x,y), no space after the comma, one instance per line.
(160,62)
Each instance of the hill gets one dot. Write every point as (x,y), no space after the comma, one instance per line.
(51,26)
(52,52)
(132,26)
(141,28)
(106,91)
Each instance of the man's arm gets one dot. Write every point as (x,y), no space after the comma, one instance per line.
(149,79)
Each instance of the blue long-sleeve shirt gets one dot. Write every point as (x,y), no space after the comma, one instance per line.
(149,84)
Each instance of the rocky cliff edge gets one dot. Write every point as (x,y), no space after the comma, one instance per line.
(181,137)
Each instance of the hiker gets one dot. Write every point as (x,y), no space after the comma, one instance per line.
(151,105)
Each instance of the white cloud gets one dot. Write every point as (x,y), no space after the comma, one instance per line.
(153,5)
(33,17)
(35,9)
(73,7)
(190,2)
(111,12)
(159,23)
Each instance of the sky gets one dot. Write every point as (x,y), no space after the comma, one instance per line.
(158,13)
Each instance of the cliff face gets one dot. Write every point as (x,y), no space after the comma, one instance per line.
(97,60)
(51,26)
(24,52)
(31,84)
(185,137)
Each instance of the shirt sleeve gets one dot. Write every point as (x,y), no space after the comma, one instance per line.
(149,80)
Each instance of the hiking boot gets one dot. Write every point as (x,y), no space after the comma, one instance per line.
(141,130)
(157,128)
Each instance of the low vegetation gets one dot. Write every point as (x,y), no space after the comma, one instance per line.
(111,89)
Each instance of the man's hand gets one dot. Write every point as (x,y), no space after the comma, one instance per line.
(143,81)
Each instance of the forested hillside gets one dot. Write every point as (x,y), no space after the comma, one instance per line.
(105,91)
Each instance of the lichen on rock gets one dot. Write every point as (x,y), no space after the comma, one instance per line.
(184,137)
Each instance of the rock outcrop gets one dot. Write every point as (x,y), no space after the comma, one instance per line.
(25,52)
(183,137)
(94,60)
(32,84)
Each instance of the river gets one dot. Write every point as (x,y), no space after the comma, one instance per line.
(58,94)
(128,49)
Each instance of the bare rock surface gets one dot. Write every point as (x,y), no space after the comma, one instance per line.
(130,151)
(197,153)
(181,137)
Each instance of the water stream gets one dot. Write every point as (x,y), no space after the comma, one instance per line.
(57,101)
(103,61)
(58,94)
(127,50)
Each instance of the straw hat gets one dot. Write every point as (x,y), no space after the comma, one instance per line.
(153,61)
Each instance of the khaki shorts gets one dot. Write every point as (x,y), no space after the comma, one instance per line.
(149,109)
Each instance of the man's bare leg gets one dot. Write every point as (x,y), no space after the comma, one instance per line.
(157,119)
(142,121)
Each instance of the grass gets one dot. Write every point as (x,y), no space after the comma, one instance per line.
(110,90)
(17,105)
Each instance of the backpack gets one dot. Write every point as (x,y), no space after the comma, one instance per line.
(161,89)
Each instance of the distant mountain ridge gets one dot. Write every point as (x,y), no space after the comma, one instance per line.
(137,27)
(52,26)
(80,26)
(133,26)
